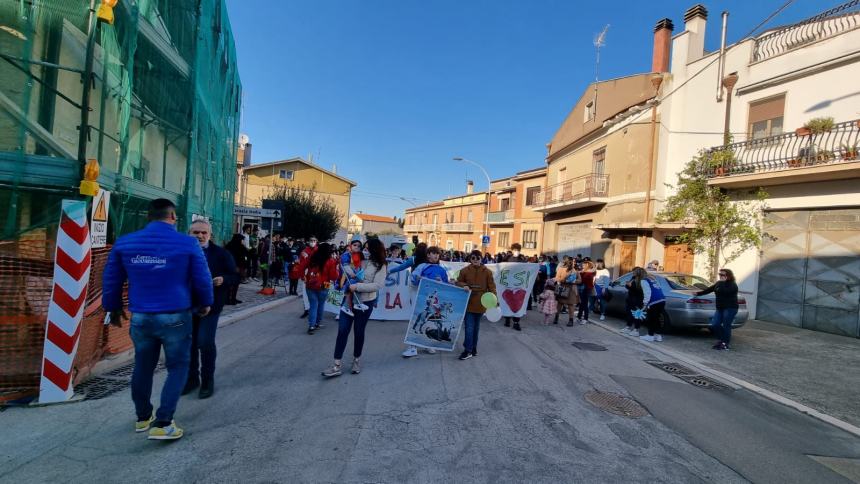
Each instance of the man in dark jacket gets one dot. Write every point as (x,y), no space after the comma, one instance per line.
(203,349)
(167,276)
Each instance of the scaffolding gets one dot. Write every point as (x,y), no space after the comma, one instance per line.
(158,95)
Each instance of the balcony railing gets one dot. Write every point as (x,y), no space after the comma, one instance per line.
(784,151)
(503,216)
(458,227)
(827,24)
(581,188)
(412,228)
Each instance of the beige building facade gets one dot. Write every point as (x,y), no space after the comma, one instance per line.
(365,223)
(455,223)
(513,218)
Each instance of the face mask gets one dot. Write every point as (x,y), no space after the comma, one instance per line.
(366,254)
(516,253)
(312,244)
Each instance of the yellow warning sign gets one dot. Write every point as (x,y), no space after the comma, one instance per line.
(100,213)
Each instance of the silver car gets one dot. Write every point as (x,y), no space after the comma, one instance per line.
(683,308)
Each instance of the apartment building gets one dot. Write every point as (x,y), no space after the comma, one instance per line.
(455,223)
(513,218)
(766,89)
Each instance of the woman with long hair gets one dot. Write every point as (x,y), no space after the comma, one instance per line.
(418,258)
(237,249)
(586,291)
(319,271)
(375,269)
(653,303)
(726,291)
(565,278)
(634,304)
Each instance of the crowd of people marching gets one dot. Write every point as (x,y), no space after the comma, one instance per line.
(201,278)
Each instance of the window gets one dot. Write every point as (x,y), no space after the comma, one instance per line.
(504,237)
(589,112)
(435,218)
(530,239)
(286,174)
(562,175)
(469,216)
(766,117)
(598,161)
(467,247)
(449,245)
(505,204)
(531,195)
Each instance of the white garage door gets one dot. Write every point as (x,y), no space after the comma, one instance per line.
(574,239)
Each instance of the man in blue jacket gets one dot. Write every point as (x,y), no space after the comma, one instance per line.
(203,349)
(167,277)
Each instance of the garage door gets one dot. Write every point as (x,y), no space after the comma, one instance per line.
(810,270)
(574,239)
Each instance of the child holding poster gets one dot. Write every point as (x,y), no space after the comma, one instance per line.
(479,279)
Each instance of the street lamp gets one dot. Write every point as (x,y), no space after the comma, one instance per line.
(489,183)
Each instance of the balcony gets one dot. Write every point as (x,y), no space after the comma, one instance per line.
(584,191)
(412,228)
(830,23)
(786,158)
(458,227)
(504,217)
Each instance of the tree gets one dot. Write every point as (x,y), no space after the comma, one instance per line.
(721,227)
(307,213)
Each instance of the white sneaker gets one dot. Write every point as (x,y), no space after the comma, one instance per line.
(633,332)
(410,352)
(658,337)
(346,311)
(602,317)
(645,337)
(625,330)
(583,321)
(360,305)
(432,351)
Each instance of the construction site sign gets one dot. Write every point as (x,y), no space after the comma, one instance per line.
(99,219)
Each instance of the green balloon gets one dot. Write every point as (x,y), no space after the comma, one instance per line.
(409,249)
(489,300)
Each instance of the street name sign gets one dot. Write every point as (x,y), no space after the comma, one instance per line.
(256,212)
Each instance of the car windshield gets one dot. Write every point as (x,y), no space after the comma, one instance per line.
(686,281)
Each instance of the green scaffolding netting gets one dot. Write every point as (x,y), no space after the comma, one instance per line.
(163,123)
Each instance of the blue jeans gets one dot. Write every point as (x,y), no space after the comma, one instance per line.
(471,324)
(721,324)
(584,295)
(344,324)
(150,332)
(203,349)
(317,302)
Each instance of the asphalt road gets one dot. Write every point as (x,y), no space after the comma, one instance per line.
(515,413)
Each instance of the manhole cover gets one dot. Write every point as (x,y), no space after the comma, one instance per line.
(673,368)
(616,404)
(703,382)
(122,371)
(588,346)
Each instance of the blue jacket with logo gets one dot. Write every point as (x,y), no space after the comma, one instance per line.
(166,272)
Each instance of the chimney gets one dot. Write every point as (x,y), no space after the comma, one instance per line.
(470,187)
(246,160)
(662,44)
(695,20)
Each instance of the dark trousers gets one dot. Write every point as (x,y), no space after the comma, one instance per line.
(721,324)
(471,325)
(151,332)
(232,293)
(294,285)
(356,323)
(584,295)
(653,318)
(203,348)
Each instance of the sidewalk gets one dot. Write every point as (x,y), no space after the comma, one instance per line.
(816,369)
(250,296)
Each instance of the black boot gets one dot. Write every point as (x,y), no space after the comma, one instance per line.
(304,315)
(507,322)
(570,322)
(190,385)
(207,388)
(556,319)
(517,327)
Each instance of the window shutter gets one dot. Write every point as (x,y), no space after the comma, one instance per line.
(767,109)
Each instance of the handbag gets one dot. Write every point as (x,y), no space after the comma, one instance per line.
(562,291)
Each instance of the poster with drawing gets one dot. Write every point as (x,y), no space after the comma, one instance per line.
(514,283)
(437,315)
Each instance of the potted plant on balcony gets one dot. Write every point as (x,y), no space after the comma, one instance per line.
(849,153)
(824,156)
(816,126)
(721,161)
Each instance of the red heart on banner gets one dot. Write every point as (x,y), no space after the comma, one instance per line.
(514,298)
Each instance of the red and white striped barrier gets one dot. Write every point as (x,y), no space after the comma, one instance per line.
(71,277)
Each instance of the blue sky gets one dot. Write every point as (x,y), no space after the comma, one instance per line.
(391,90)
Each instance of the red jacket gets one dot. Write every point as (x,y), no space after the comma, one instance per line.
(316,279)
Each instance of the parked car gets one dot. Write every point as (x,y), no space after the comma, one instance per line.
(683,308)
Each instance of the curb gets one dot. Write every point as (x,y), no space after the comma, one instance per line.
(245,313)
(738,383)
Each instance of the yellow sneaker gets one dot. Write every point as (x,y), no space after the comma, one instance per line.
(143,425)
(171,432)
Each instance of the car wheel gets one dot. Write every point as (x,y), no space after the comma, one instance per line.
(665,322)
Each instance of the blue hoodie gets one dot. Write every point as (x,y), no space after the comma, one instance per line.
(430,271)
(166,272)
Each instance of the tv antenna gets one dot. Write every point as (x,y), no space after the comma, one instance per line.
(599,41)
